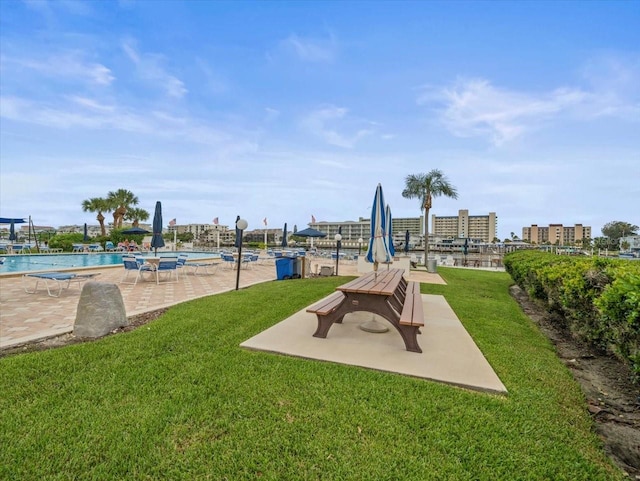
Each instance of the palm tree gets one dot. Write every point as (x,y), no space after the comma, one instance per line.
(99,205)
(136,214)
(425,187)
(120,201)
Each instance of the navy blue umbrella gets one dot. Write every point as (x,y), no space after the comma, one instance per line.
(238,233)
(12,232)
(407,236)
(157,240)
(284,236)
(85,237)
(389,230)
(465,247)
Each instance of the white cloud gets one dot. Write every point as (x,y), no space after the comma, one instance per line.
(91,104)
(271,114)
(69,65)
(149,68)
(311,50)
(474,107)
(615,81)
(91,114)
(325,121)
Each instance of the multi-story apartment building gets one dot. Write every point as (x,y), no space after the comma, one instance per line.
(215,234)
(196,229)
(353,231)
(556,234)
(463,225)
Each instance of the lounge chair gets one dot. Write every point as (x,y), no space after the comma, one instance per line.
(207,267)
(109,247)
(61,280)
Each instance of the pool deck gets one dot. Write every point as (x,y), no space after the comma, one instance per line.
(26,318)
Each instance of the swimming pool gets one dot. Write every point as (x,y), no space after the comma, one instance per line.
(55,262)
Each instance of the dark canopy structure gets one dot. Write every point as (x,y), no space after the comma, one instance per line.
(135,230)
(309,232)
(8,220)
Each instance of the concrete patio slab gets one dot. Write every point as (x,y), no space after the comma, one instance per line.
(449,353)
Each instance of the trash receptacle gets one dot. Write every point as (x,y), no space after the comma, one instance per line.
(284,268)
(297,267)
(432,265)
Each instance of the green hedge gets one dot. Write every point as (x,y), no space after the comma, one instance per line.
(598,299)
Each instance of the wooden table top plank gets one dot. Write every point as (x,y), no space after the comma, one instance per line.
(384,282)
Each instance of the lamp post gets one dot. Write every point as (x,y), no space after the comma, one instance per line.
(337,238)
(241,225)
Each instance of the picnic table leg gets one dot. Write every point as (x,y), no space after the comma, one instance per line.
(325,322)
(388,309)
(410,337)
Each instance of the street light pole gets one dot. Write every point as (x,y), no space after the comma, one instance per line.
(337,238)
(241,224)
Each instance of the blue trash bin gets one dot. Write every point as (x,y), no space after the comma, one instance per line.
(284,268)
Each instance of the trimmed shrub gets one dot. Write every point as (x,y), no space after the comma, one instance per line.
(598,299)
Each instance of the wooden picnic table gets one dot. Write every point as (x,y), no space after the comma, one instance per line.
(384,293)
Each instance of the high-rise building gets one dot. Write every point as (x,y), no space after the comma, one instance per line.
(483,227)
(556,234)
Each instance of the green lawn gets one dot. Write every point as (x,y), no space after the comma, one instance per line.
(179,399)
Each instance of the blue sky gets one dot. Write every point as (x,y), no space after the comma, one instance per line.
(286,110)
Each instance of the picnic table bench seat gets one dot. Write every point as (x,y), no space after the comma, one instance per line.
(327,305)
(412,317)
(412,313)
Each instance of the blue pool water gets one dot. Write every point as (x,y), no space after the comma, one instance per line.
(54,262)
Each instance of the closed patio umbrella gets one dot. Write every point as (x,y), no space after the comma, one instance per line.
(85,236)
(284,236)
(389,230)
(407,237)
(156,239)
(378,250)
(12,232)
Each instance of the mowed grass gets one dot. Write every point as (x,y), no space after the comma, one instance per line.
(179,399)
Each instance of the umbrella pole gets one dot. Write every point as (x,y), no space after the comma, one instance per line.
(373,325)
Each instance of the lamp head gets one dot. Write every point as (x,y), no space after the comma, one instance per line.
(338,237)
(242,224)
